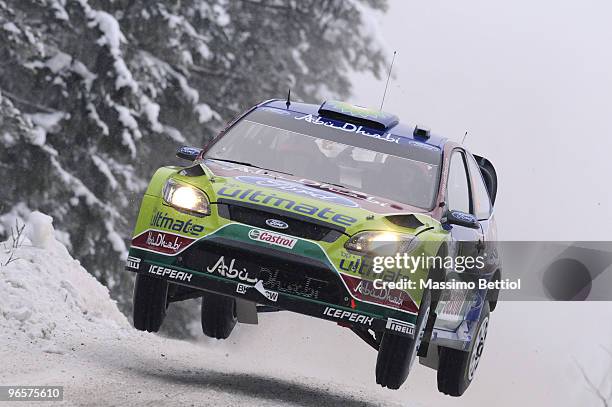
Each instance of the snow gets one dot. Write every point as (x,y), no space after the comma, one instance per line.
(115,239)
(151,111)
(190,93)
(59,62)
(48,121)
(88,77)
(46,296)
(111,37)
(58,325)
(126,118)
(60,11)
(92,113)
(11,27)
(205,113)
(131,131)
(111,32)
(38,136)
(204,51)
(105,170)
(222,18)
(44,123)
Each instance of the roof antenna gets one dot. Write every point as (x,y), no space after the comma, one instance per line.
(387,84)
(288,102)
(464,137)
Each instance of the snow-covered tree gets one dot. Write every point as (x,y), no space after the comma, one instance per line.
(95,94)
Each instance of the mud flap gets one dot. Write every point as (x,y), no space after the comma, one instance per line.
(246,312)
(424,346)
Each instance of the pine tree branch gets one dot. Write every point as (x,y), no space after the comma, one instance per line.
(592,386)
(17,100)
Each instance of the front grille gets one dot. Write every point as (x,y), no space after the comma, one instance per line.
(315,284)
(289,275)
(297,227)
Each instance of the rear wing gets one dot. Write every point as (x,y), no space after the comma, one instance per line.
(489,174)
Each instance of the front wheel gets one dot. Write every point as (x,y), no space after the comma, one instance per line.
(150,302)
(457,368)
(396,353)
(218,315)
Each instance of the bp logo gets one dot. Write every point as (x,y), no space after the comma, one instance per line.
(298,189)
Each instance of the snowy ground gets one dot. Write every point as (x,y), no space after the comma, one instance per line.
(58,326)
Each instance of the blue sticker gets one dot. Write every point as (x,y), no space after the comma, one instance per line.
(298,189)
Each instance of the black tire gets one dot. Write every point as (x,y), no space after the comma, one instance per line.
(218,315)
(396,353)
(457,368)
(150,302)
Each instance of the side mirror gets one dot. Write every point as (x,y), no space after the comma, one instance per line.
(188,153)
(461,219)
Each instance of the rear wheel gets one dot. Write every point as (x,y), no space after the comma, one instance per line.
(396,353)
(150,302)
(457,368)
(218,315)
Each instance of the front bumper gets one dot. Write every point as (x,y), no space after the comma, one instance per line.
(226,262)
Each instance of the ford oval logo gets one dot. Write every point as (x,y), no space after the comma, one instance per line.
(277,224)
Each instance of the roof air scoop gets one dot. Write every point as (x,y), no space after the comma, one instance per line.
(358,115)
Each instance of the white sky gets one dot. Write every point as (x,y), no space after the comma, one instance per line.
(532,84)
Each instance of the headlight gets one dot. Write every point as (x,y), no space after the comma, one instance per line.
(381,243)
(186,197)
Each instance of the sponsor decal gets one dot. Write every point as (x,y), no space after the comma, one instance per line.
(356,265)
(466,217)
(275,223)
(170,273)
(304,181)
(162,242)
(259,197)
(272,238)
(402,327)
(156,239)
(275,110)
(270,295)
(230,271)
(298,189)
(348,316)
(348,127)
(364,267)
(133,262)
(163,221)
(423,146)
(368,291)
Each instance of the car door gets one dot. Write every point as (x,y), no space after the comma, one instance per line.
(483,210)
(459,197)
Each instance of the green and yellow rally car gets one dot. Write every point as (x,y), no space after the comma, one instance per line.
(323,210)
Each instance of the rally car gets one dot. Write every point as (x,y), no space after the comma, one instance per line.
(311,209)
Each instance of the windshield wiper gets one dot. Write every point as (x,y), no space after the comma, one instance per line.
(246,164)
(336,185)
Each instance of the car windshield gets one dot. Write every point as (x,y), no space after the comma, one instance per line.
(368,171)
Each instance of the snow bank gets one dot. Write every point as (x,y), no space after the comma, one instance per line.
(46,295)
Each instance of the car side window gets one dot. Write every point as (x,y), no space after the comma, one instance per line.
(482,202)
(458,188)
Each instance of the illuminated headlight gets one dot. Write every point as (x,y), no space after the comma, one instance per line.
(381,243)
(186,197)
